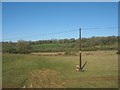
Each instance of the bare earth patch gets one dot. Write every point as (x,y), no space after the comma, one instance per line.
(44,79)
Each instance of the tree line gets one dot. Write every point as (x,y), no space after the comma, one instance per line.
(93,43)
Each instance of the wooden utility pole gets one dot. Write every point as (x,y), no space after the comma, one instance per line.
(80,50)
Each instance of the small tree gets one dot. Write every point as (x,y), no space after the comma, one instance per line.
(23,47)
(8,47)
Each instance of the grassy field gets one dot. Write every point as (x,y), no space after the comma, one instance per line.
(53,47)
(32,71)
(70,47)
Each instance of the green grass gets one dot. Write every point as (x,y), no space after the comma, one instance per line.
(52,47)
(70,47)
(100,71)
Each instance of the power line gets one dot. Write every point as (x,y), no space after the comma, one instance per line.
(98,28)
(53,33)
(67,31)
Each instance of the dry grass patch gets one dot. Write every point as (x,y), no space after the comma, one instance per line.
(44,79)
(48,53)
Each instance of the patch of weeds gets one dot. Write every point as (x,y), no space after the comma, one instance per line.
(23,81)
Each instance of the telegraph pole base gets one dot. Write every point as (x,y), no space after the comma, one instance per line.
(82,70)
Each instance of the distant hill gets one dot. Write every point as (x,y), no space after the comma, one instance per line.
(88,44)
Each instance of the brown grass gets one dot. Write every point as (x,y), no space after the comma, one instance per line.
(44,79)
(48,53)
